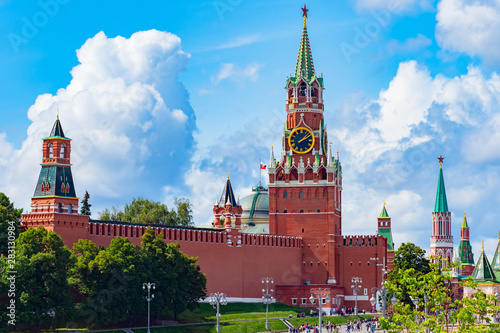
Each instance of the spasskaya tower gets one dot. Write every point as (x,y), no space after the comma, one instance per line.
(305,180)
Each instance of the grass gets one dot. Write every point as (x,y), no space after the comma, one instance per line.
(226,327)
(238,311)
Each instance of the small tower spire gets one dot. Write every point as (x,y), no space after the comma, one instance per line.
(272,163)
(441,205)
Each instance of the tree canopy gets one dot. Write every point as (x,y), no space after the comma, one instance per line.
(9,216)
(85,210)
(144,211)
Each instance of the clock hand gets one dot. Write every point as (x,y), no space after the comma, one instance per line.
(308,135)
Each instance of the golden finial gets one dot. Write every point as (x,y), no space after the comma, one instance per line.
(57,113)
(384,204)
(499,235)
(228,175)
(482,244)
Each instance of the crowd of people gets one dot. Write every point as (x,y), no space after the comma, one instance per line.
(362,325)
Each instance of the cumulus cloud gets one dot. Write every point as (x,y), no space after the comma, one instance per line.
(126,112)
(417,108)
(470,27)
(236,73)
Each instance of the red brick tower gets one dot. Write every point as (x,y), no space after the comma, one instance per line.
(305,182)
(441,239)
(465,250)
(54,204)
(384,229)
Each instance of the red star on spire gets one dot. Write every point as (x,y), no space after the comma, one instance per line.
(440,158)
(304,11)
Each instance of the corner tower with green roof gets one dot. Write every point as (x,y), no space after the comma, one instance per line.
(384,229)
(465,249)
(483,271)
(441,239)
(495,264)
(54,204)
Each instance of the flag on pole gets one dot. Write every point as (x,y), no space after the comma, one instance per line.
(262,166)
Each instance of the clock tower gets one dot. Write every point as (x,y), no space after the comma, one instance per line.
(305,180)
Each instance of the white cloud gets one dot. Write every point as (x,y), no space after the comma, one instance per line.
(396,6)
(470,27)
(122,109)
(236,73)
(409,45)
(239,41)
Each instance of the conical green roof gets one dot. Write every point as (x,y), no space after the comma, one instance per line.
(383,214)
(464,222)
(441,202)
(495,264)
(483,270)
(305,66)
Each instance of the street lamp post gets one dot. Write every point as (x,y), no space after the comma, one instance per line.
(215,300)
(321,293)
(149,285)
(355,288)
(267,298)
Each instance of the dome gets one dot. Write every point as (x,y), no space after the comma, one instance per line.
(255,216)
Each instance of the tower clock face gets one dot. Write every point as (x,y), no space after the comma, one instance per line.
(324,144)
(301,140)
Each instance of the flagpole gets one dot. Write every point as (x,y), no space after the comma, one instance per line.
(260,172)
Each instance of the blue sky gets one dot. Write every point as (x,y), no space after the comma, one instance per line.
(162,99)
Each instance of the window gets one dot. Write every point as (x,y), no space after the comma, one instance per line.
(285,194)
(301,211)
(303,89)
(323,301)
(302,230)
(51,151)
(294,301)
(318,211)
(277,211)
(285,211)
(70,209)
(61,153)
(304,301)
(301,195)
(59,208)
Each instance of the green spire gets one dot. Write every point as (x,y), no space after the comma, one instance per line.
(441,202)
(305,66)
(383,214)
(496,258)
(483,270)
(464,222)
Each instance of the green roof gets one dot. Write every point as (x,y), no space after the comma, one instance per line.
(465,253)
(387,234)
(464,222)
(441,202)
(383,214)
(483,270)
(495,264)
(305,66)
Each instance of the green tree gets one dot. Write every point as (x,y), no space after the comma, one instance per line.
(184,212)
(408,256)
(442,312)
(144,211)
(85,210)
(107,279)
(179,282)
(9,216)
(42,291)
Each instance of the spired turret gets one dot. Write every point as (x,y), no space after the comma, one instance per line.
(465,254)
(227,208)
(54,204)
(441,239)
(483,271)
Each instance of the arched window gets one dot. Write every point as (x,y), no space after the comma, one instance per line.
(301,195)
(59,208)
(285,211)
(70,209)
(51,151)
(303,89)
(301,211)
(440,230)
(285,194)
(61,153)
